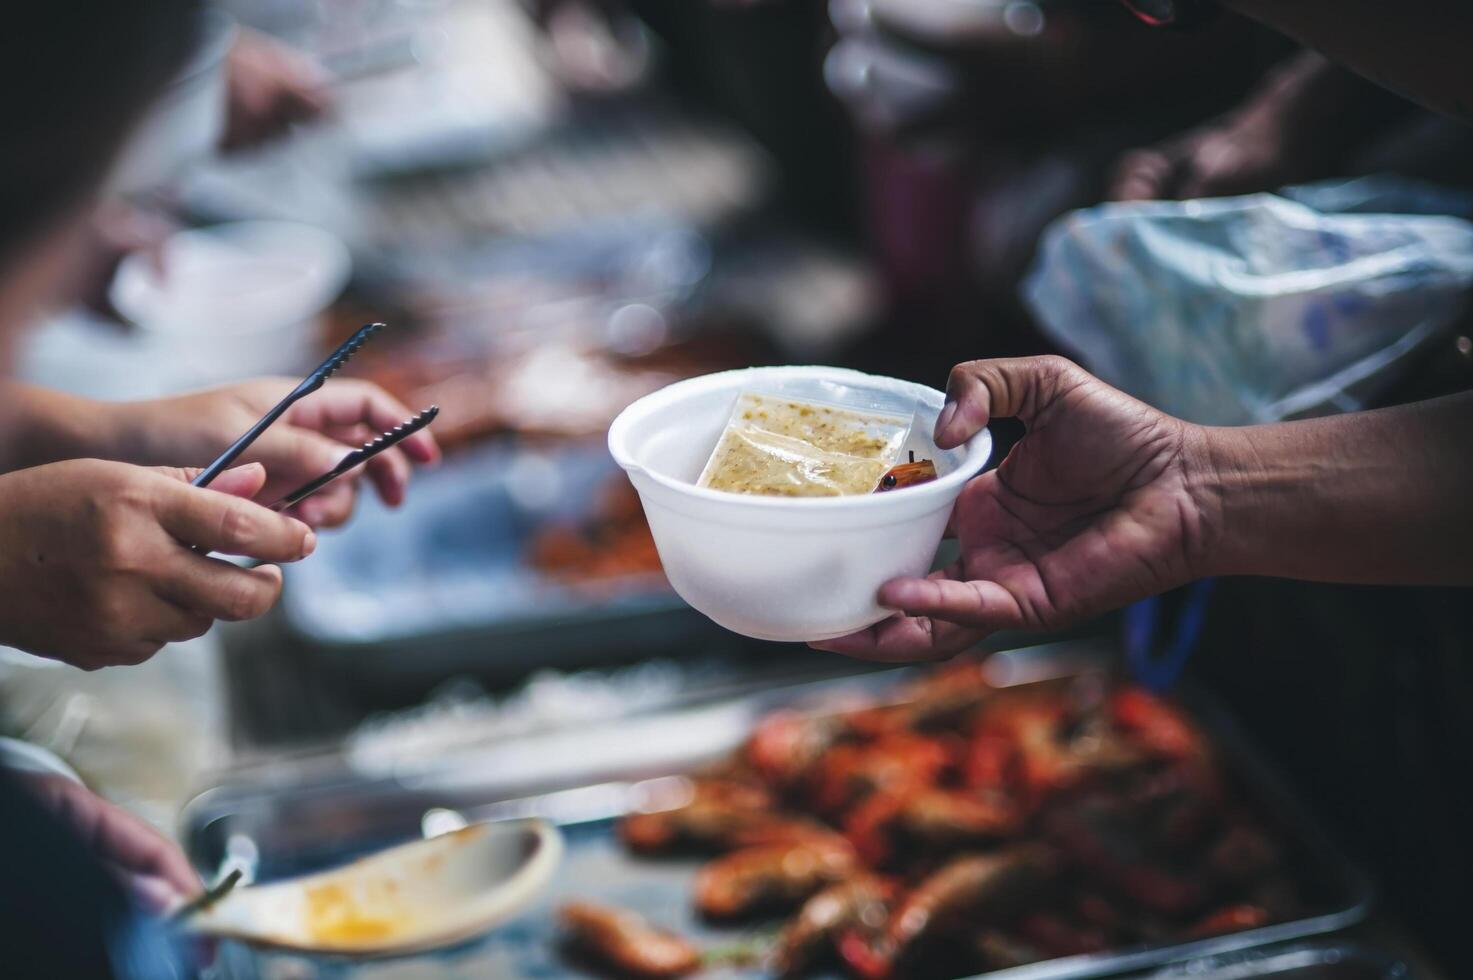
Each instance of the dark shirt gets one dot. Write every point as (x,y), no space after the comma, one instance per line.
(62,915)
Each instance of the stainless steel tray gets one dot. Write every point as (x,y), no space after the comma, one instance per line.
(446,575)
(585,779)
(1299,961)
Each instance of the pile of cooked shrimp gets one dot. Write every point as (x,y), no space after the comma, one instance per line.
(955,829)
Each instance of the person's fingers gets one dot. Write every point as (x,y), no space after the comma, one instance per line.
(191,626)
(151,620)
(902,639)
(142,852)
(218,589)
(219,522)
(176,623)
(1163,171)
(330,506)
(975,604)
(979,391)
(305,99)
(390,479)
(120,839)
(111,653)
(1219,167)
(240,481)
(305,451)
(294,455)
(297,455)
(389,472)
(302,86)
(350,402)
(974,394)
(1213,162)
(270,86)
(124,228)
(154,894)
(906,638)
(358,412)
(1142,175)
(292,458)
(249,104)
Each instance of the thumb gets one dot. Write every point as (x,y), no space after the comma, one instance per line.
(240,481)
(1013,387)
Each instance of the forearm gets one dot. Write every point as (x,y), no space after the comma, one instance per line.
(1325,107)
(1377,497)
(1415,47)
(39,426)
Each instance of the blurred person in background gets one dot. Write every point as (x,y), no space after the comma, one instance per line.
(1361,691)
(756,62)
(946,134)
(270,87)
(103,542)
(1308,120)
(981,122)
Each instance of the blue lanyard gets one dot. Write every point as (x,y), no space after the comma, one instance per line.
(1159,673)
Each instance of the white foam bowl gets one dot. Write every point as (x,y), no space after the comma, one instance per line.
(783,568)
(237,299)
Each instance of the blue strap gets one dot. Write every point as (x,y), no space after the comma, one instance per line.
(1158,674)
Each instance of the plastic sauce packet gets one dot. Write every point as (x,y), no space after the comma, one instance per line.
(777,445)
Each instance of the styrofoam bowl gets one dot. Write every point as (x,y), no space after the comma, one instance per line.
(783,568)
(235,300)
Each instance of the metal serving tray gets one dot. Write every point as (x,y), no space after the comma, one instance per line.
(584,780)
(1300,961)
(446,574)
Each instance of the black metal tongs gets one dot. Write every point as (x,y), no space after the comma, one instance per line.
(309,384)
(360,456)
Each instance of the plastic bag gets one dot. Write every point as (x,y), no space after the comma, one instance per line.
(781,445)
(1255,308)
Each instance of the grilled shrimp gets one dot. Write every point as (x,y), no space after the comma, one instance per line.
(931,820)
(625,941)
(860,903)
(969,889)
(773,877)
(719,816)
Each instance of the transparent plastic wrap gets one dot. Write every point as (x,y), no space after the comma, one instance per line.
(783,445)
(1248,309)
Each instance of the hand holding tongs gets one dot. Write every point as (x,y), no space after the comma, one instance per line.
(360,456)
(309,384)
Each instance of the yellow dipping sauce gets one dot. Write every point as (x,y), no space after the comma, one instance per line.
(335,917)
(784,447)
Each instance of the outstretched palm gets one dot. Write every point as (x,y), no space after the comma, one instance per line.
(1092,509)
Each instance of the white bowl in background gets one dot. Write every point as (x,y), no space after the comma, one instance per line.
(235,300)
(783,568)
